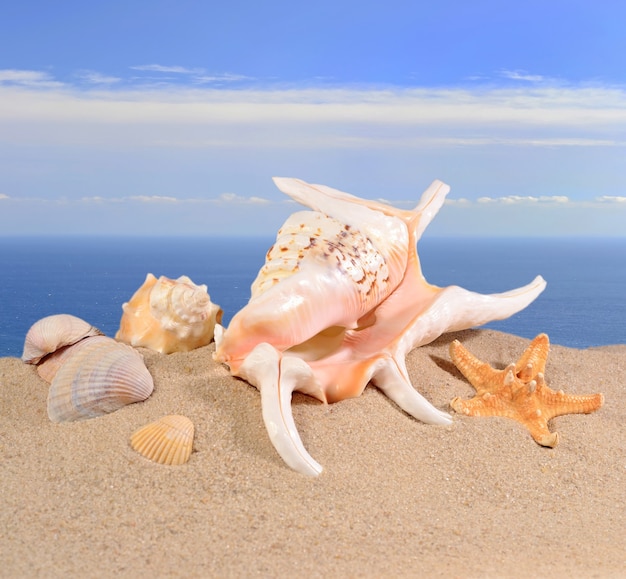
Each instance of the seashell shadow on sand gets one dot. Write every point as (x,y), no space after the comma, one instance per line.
(397,498)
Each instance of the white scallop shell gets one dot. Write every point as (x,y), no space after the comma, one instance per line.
(99,376)
(168,440)
(169,315)
(52,333)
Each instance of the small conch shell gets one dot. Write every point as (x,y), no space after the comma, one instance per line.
(169,315)
(168,440)
(52,333)
(98,376)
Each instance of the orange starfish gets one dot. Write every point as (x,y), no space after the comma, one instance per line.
(519,391)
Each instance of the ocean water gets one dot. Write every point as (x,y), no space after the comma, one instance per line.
(583,305)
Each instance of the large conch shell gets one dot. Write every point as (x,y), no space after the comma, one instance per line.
(169,315)
(340,302)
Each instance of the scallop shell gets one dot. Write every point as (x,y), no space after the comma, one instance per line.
(51,333)
(99,376)
(169,315)
(168,440)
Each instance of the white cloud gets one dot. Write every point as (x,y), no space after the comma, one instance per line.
(522,75)
(517,199)
(28,78)
(154,199)
(543,117)
(224,198)
(611,199)
(97,78)
(219,78)
(3,196)
(168,69)
(241,200)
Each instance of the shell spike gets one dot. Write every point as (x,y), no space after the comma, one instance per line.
(276,377)
(396,386)
(429,205)
(456,309)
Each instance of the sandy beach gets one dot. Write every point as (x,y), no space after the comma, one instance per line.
(397,498)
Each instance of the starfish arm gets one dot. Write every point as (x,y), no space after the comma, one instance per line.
(478,373)
(389,378)
(277,377)
(483,405)
(534,358)
(558,403)
(538,429)
(491,405)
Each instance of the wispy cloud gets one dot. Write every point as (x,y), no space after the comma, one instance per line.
(611,199)
(223,199)
(97,78)
(220,78)
(196,76)
(530,117)
(235,199)
(28,78)
(522,75)
(240,200)
(154,199)
(3,196)
(517,199)
(167,69)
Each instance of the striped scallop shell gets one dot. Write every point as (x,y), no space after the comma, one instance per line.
(169,315)
(98,376)
(168,440)
(51,333)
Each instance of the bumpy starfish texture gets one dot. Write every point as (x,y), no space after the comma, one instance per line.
(519,391)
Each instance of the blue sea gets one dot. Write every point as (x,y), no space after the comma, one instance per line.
(583,305)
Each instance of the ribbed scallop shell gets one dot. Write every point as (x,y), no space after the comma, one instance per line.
(169,315)
(51,333)
(168,440)
(99,376)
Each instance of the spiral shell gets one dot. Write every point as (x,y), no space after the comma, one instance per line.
(52,333)
(168,440)
(169,315)
(98,376)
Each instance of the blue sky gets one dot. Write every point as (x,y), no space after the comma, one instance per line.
(171,117)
